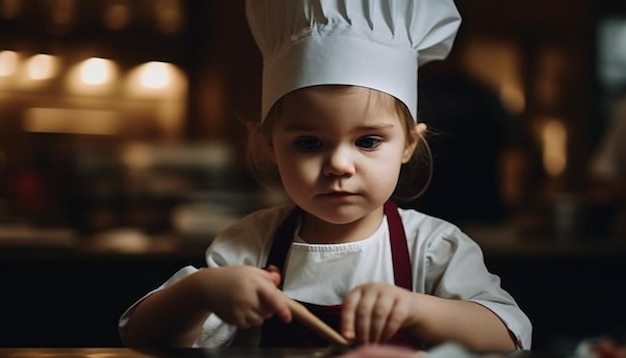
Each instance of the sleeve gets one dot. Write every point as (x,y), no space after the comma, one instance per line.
(243,243)
(215,332)
(455,269)
(122,324)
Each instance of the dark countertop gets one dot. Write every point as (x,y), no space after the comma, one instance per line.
(223,353)
(178,353)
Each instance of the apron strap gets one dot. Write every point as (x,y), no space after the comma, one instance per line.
(399,250)
(282,243)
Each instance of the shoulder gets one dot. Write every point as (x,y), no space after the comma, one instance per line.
(435,236)
(418,224)
(248,240)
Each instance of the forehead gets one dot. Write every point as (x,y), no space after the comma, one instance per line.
(338,103)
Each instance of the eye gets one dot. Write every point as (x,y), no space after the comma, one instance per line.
(368,142)
(308,144)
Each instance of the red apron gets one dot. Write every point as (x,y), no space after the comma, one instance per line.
(276,333)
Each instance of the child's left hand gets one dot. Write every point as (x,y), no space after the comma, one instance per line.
(374,312)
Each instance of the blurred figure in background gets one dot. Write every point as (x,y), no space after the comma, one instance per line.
(471,136)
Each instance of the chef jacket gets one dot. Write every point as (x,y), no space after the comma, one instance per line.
(445,263)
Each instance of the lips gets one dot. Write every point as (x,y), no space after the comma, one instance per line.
(338,194)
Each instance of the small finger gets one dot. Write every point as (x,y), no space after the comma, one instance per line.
(347,314)
(275,302)
(380,314)
(394,321)
(363,317)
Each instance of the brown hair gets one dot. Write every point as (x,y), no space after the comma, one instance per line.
(412,181)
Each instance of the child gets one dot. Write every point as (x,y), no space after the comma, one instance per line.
(339,124)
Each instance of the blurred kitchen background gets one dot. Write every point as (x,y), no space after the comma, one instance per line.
(122,152)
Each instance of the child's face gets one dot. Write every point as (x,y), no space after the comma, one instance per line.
(339,151)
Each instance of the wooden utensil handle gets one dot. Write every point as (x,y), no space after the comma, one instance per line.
(305,316)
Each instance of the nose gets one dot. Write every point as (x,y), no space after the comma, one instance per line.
(339,162)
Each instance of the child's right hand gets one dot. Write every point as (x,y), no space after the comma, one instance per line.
(245,296)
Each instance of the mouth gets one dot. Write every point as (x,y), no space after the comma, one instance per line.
(338,194)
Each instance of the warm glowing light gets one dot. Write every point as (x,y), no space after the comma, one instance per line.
(163,88)
(8,63)
(41,67)
(156,80)
(554,139)
(155,75)
(92,77)
(96,71)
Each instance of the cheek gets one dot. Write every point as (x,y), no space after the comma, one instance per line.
(393,156)
(294,167)
(387,171)
(388,163)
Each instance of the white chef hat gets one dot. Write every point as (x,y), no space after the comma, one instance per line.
(377,44)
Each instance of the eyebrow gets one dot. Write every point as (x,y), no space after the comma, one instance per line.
(301,128)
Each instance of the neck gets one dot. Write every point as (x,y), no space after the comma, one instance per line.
(317,231)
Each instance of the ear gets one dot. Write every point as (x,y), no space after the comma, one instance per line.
(412,139)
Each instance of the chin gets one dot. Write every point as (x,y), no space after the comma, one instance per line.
(338,215)
(338,220)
